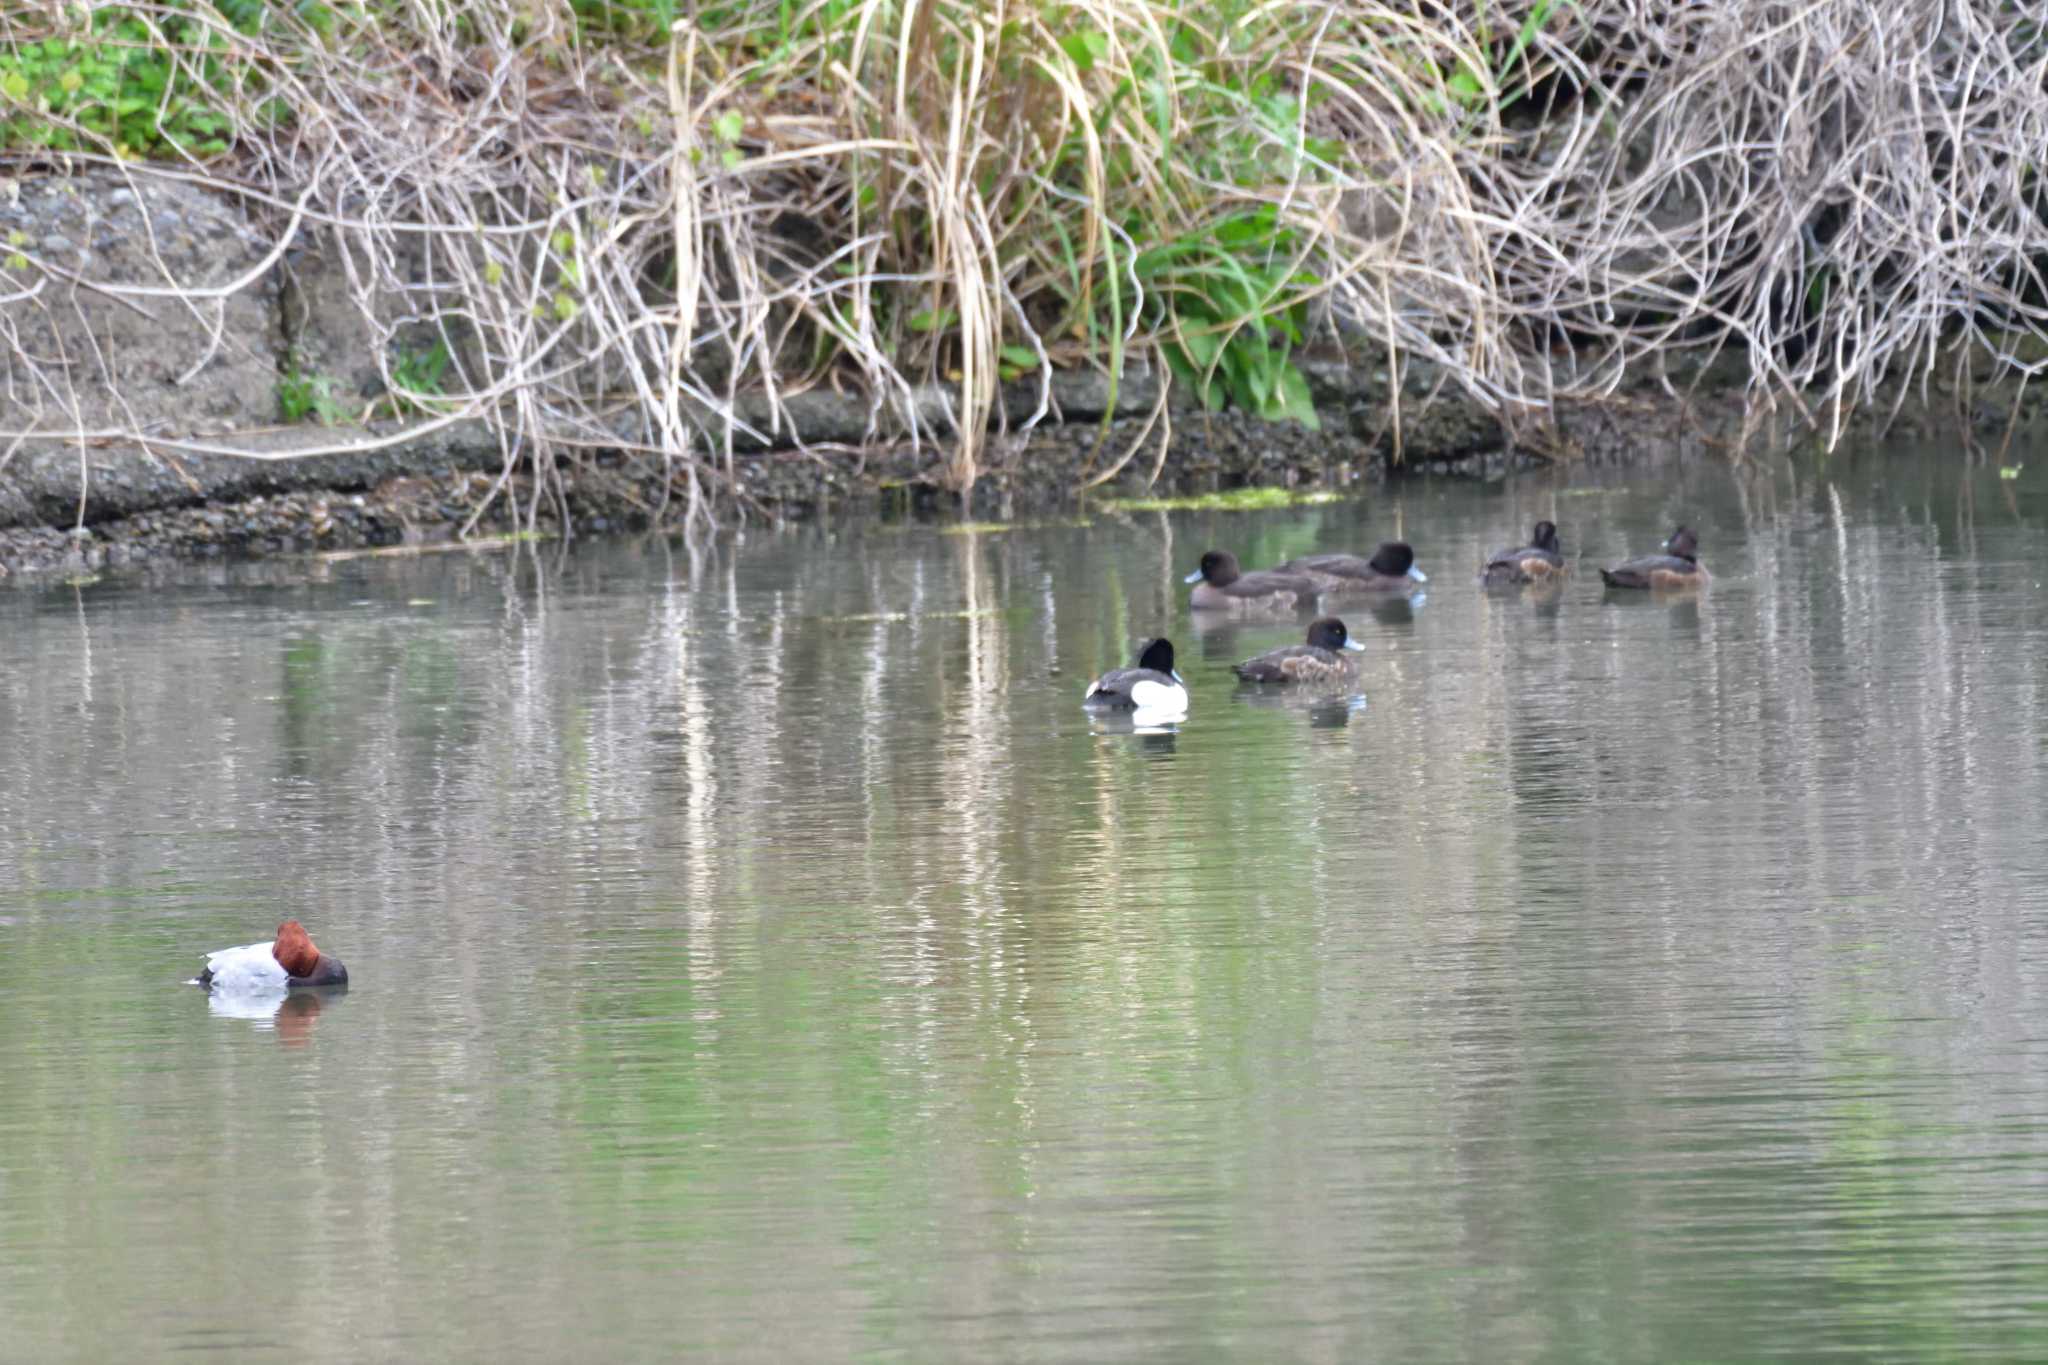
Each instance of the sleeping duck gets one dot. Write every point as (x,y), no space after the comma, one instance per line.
(261,968)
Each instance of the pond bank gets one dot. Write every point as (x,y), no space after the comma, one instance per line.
(205,382)
(429,494)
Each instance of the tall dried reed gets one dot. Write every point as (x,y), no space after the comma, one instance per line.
(638,229)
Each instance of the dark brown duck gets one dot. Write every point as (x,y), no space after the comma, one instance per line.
(1221,586)
(1323,659)
(1677,567)
(1537,562)
(1391,569)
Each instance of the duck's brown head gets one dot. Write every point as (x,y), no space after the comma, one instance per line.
(293,950)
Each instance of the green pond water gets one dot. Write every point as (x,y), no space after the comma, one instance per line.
(758,954)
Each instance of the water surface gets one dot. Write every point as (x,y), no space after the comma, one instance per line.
(758,954)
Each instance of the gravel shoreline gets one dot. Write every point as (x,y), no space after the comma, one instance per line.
(1030,475)
(609,496)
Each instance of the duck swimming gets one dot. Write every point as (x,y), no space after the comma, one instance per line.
(1678,567)
(1391,569)
(1537,561)
(259,968)
(1323,659)
(1151,687)
(1221,585)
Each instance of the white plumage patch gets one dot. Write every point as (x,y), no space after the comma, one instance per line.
(1147,695)
(249,970)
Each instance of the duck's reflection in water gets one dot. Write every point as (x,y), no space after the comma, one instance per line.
(1326,708)
(291,1014)
(1155,731)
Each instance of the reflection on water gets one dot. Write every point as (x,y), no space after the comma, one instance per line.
(1325,708)
(759,953)
(291,1014)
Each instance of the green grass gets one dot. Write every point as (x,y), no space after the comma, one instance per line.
(1229,500)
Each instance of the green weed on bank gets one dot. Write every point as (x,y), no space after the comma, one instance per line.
(125,81)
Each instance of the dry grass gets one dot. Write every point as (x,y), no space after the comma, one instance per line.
(618,242)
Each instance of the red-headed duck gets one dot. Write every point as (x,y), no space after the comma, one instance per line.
(258,968)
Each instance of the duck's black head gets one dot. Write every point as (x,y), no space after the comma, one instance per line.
(1218,567)
(1157,655)
(1683,543)
(1329,633)
(1544,537)
(1394,559)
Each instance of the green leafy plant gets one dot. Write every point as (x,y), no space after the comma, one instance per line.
(303,397)
(420,372)
(416,377)
(133,83)
(1230,310)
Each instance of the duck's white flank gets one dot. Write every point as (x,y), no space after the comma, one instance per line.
(251,969)
(1147,695)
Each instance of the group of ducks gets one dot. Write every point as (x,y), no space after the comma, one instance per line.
(1153,689)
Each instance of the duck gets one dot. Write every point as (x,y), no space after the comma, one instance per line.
(1323,659)
(260,968)
(1391,569)
(1221,585)
(1677,567)
(1539,560)
(1151,686)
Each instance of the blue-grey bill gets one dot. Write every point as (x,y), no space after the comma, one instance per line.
(1194,577)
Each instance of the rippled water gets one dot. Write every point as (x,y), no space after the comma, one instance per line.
(760,954)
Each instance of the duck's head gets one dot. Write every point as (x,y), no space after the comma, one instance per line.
(1545,536)
(1330,633)
(1683,543)
(294,949)
(1157,655)
(1396,559)
(1218,566)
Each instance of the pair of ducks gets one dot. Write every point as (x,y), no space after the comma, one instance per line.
(1220,585)
(1541,560)
(1154,687)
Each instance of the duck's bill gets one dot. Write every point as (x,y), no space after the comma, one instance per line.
(1194,577)
(1353,644)
(1174,673)
(1418,575)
